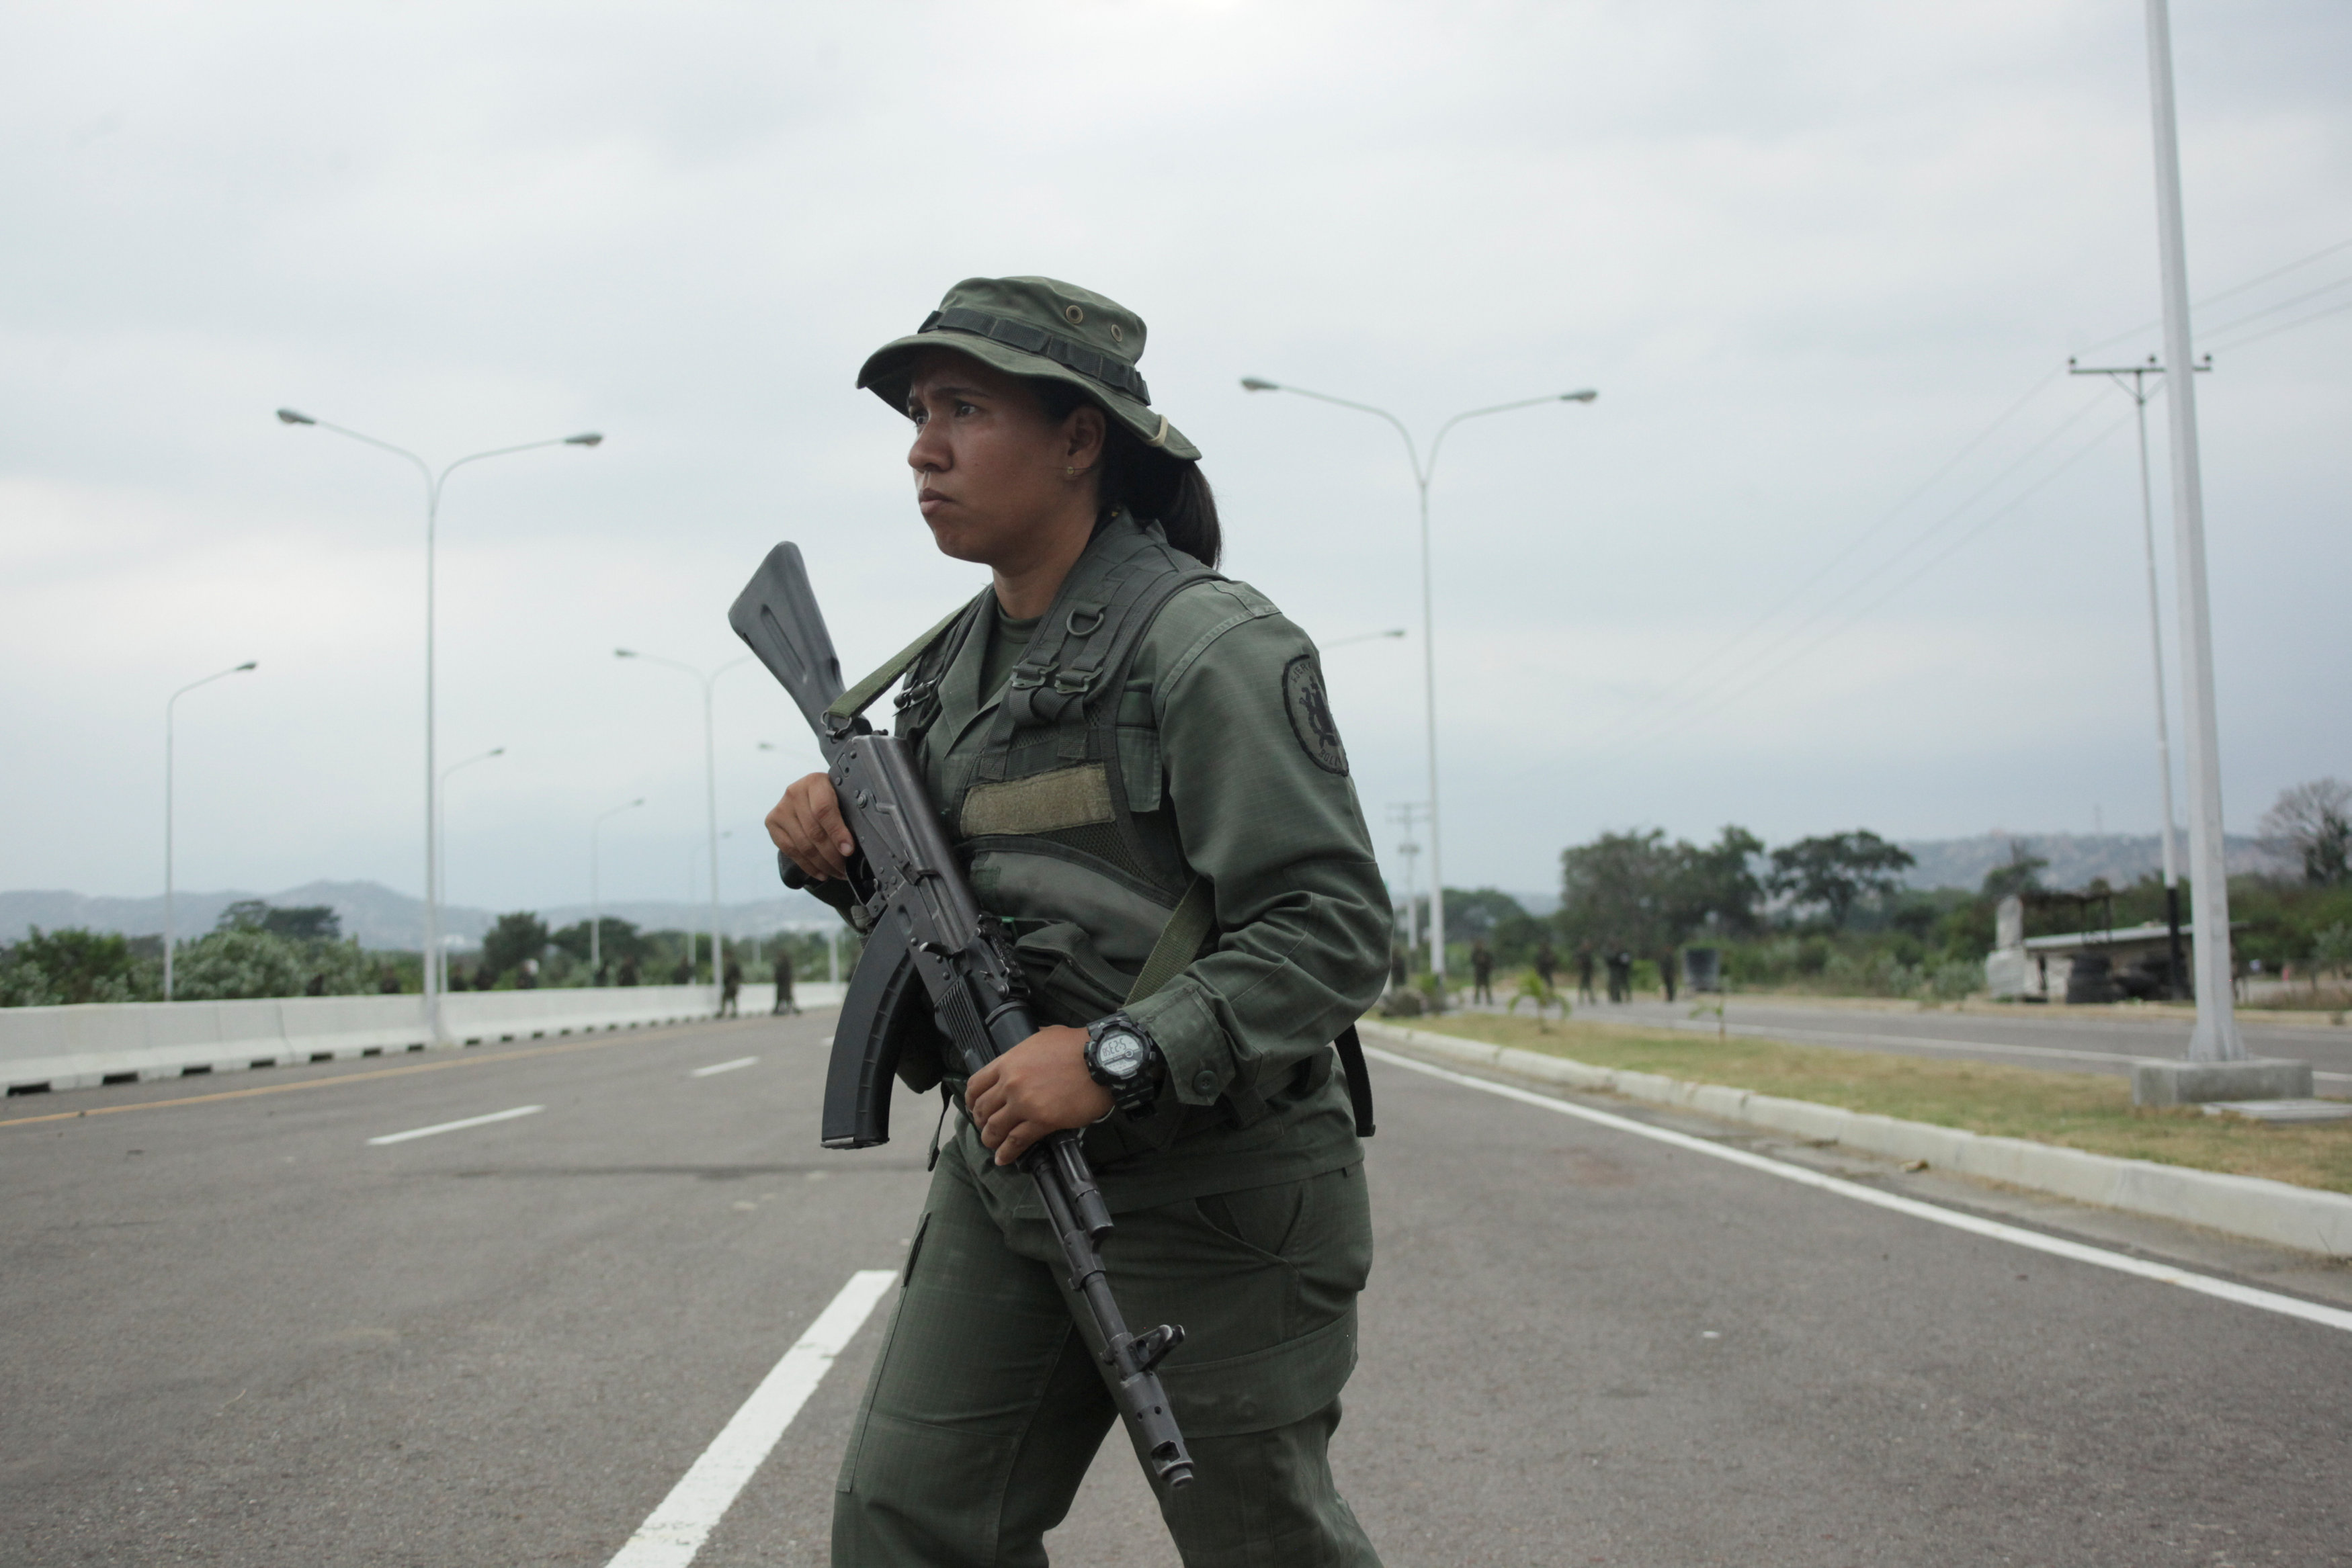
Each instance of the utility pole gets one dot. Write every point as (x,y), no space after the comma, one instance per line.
(1405,815)
(596,891)
(2215,1037)
(2178,970)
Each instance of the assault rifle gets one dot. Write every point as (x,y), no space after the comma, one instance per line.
(934,959)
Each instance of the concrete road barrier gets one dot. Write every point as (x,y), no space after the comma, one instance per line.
(53,1049)
(2251,1206)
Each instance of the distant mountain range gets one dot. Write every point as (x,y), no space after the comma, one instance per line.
(2076,859)
(380,917)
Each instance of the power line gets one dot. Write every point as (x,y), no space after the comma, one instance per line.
(2285,326)
(1651,724)
(2230,293)
(1672,716)
(1843,552)
(2284,304)
(1864,614)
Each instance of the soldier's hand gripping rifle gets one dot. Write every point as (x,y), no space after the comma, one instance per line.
(933,958)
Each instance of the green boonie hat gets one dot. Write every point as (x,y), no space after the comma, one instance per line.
(1038,326)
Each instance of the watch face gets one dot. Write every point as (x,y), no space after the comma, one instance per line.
(1120,1054)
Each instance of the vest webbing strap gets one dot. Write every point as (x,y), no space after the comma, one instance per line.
(1180,939)
(860,698)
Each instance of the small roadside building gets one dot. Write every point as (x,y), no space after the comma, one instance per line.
(2111,964)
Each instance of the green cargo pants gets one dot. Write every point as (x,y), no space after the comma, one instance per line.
(987,1405)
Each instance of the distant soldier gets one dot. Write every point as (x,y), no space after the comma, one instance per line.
(1547,965)
(730,986)
(784,1003)
(1482,972)
(1668,972)
(1620,975)
(1584,976)
(683,974)
(629,973)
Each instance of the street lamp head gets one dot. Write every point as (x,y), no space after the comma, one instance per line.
(624,653)
(638,801)
(1259,384)
(1587,395)
(249,665)
(590,439)
(497,751)
(287,416)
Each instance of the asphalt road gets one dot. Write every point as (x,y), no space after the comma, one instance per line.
(239,1334)
(2062,1038)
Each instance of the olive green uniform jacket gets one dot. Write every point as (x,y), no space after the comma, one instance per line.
(1227,749)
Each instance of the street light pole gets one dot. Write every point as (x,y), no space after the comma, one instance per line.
(1404,814)
(170,925)
(433,484)
(596,891)
(1422,475)
(2215,1037)
(2138,391)
(709,774)
(441,865)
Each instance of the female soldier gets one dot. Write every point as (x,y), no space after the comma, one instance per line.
(1137,758)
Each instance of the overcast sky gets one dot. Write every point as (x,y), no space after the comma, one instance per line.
(1810,254)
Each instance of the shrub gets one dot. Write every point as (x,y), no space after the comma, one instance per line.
(248,961)
(67,966)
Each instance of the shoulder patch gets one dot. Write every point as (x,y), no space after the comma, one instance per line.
(1309,708)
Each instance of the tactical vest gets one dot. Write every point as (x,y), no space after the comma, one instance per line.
(1063,822)
(1062,819)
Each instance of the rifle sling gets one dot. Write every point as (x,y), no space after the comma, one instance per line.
(860,698)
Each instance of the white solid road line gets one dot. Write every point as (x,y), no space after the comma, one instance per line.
(677,1527)
(2122,1263)
(455,1126)
(723,1066)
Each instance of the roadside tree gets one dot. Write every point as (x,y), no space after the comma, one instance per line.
(2311,824)
(1837,869)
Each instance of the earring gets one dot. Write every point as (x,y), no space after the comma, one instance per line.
(1070,471)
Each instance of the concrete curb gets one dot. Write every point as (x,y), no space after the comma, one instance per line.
(2250,1207)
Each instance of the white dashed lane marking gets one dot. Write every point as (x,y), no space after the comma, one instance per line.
(458,1126)
(724,1066)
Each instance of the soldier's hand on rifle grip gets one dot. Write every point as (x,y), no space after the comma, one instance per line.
(1039,1086)
(806,825)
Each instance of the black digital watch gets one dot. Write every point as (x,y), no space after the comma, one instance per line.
(1121,1057)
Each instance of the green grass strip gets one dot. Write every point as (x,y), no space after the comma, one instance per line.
(2073,1110)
